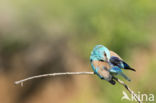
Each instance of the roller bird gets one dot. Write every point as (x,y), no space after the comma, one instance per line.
(99,60)
(106,64)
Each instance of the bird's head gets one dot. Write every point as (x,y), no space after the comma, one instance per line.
(100,53)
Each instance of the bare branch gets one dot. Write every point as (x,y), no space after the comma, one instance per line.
(76,73)
(53,74)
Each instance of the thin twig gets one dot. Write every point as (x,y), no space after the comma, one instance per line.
(76,73)
(53,74)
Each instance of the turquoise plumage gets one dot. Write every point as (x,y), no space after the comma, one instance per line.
(100,63)
(106,64)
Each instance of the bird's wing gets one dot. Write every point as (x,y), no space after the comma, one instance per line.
(117,61)
(126,66)
(115,70)
(115,54)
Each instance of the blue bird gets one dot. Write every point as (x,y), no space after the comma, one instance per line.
(99,60)
(106,64)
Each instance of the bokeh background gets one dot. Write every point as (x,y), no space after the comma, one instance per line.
(38,37)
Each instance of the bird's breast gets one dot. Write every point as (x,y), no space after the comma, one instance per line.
(101,64)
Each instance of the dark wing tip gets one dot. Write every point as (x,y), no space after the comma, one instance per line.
(127,66)
(133,69)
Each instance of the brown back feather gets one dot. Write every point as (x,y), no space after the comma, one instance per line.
(115,54)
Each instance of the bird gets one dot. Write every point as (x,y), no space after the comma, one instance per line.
(99,60)
(106,64)
(117,64)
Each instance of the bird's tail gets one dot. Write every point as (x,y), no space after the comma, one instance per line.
(126,66)
(131,69)
(123,75)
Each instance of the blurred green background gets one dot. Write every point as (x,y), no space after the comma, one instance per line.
(39,37)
